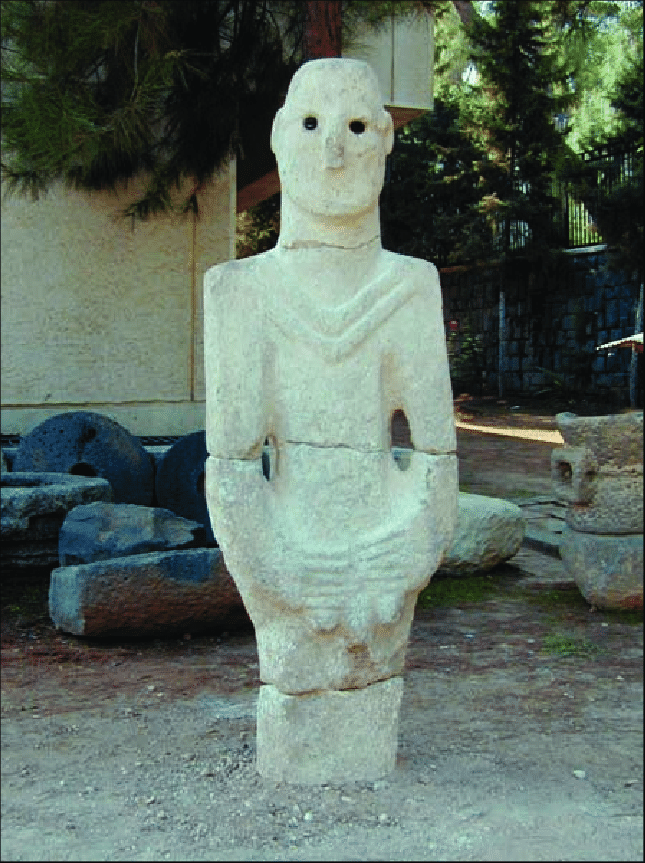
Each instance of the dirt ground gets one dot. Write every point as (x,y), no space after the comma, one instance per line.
(520,734)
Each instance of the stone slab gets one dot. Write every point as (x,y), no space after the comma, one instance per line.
(99,531)
(328,736)
(607,569)
(34,507)
(489,531)
(146,594)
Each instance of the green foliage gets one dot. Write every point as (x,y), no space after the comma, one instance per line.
(526,86)
(258,229)
(466,360)
(606,40)
(569,646)
(430,207)
(612,191)
(97,92)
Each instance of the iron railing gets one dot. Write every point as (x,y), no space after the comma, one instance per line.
(603,168)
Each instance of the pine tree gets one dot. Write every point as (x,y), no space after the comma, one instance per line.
(95,92)
(527,89)
(430,207)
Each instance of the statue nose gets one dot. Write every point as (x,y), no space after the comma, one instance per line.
(334,152)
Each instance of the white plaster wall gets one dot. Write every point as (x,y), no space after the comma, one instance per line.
(104,314)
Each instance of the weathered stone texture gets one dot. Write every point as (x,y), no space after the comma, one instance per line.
(100,531)
(489,531)
(328,736)
(180,480)
(331,541)
(34,507)
(146,594)
(89,444)
(607,569)
(599,474)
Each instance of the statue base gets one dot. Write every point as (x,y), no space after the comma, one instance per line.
(328,736)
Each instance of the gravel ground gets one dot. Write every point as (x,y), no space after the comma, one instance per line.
(520,739)
(520,734)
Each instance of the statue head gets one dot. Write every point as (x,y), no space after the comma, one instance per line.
(330,140)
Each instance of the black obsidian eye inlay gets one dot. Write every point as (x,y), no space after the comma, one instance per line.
(357,127)
(310,123)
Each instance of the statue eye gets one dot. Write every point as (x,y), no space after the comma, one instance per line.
(310,123)
(357,127)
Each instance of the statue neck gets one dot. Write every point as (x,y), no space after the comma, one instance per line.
(300,229)
(327,274)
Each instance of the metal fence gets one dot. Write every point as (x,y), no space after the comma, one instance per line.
(603,169)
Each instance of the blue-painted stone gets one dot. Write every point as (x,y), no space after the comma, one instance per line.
(83,443)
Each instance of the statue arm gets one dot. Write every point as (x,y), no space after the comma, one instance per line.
(233,362)
(235,427)
(427,391)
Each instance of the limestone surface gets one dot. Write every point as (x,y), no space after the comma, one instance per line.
(599,472)
(607,569)
(99,531)
(315,347)
(489,531)
(146,594)
(321,737)
(84,443)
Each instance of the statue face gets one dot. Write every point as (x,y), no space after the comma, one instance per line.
(331,138)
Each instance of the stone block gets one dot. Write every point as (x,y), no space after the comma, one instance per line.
(146,594)
(179,482)
(34,506)
(616,439)
(328,736)
(83,443)
(99,531)
(608,570)
(489,531)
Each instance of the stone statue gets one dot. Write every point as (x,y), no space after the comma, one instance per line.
(314,345)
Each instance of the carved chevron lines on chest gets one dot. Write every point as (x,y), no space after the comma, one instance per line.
(335,331)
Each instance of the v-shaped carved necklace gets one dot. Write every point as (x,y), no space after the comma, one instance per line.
(335,331)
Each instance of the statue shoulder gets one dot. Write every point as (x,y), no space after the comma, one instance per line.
(423,274)
(230,277)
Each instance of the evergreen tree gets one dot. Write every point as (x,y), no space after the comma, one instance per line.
(430,207)
(526,87)
(95,92)
(620,213)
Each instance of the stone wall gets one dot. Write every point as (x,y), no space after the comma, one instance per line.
(553,325)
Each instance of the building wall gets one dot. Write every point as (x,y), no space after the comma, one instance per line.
(103,313)
(553,325)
